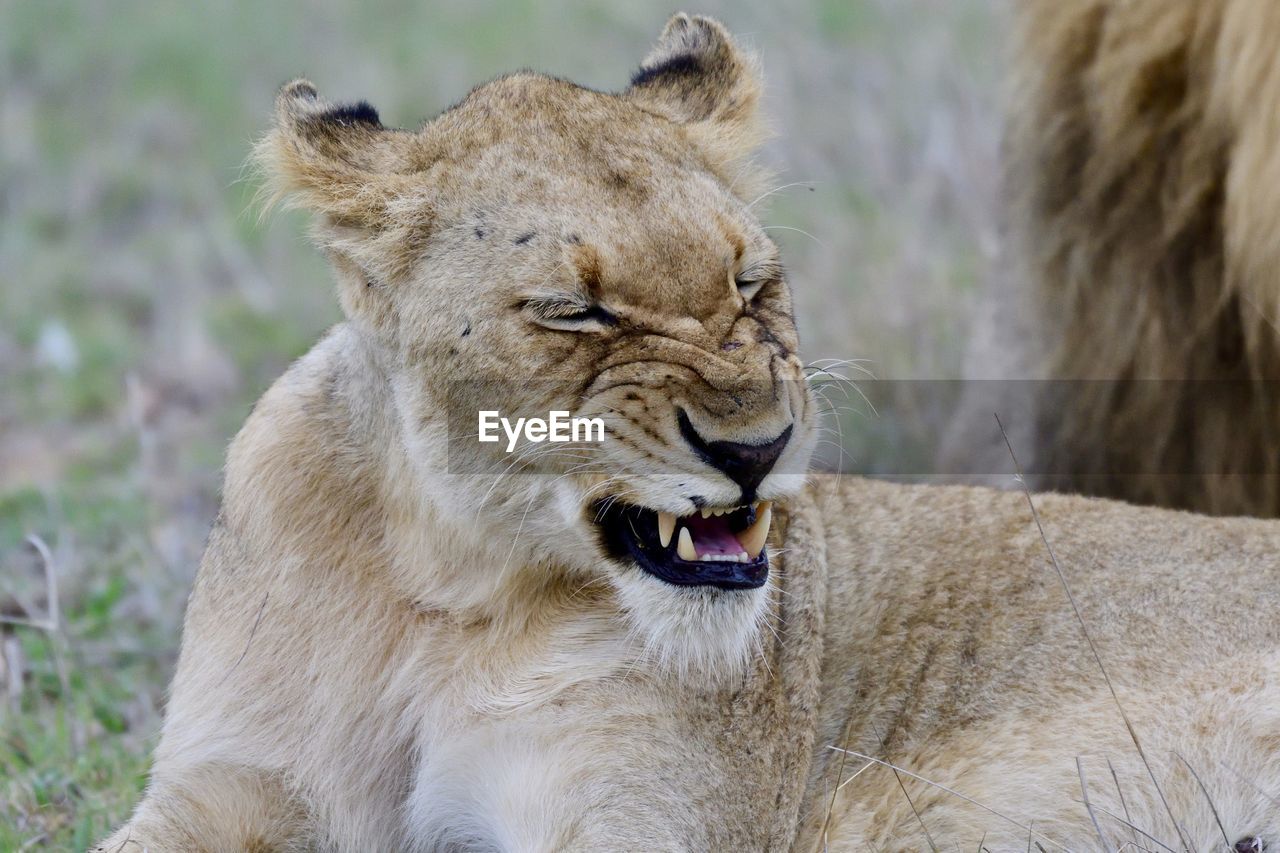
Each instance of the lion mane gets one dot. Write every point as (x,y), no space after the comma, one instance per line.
(1142,170)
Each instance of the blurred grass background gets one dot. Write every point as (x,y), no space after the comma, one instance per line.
(143,307)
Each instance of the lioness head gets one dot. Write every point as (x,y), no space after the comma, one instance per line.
(544,247)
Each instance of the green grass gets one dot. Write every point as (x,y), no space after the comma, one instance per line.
(143,308)
(71,767)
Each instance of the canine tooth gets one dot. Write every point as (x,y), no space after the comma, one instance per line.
(684,546)
(752,539)
(666,526)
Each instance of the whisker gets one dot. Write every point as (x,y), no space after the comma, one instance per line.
(798,230)
(778,189)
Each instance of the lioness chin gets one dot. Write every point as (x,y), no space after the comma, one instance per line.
(670,639)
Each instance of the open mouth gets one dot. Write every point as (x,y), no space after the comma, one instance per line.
(722,547)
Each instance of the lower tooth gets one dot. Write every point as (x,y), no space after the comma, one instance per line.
(684,546)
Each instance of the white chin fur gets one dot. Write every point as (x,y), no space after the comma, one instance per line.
(698,631)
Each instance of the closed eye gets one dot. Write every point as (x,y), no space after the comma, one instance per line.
(753,278)
(565,313)
(749,287)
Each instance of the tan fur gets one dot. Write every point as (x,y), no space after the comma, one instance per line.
(1142,171)
(370,662)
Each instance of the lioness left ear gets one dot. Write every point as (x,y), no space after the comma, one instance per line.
(698,77)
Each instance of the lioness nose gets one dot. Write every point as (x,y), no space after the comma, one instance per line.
(745,464)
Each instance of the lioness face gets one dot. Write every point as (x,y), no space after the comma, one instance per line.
(543,247)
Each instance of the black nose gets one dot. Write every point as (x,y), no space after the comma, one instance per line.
(745,464)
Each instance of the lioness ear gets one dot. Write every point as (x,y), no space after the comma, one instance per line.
(338,161)
(362,179)
(697,76)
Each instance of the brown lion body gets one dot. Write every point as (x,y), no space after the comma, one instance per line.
(384,653)
(920,625)
(1143,160)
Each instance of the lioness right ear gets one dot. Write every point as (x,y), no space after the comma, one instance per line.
(363,180)
(337,161)
(697,76)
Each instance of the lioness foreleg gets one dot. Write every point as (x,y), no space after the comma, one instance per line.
(212,808)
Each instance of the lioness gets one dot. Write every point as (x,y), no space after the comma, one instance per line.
(668,640)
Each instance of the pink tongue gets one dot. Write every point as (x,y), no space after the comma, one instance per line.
(712,535)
